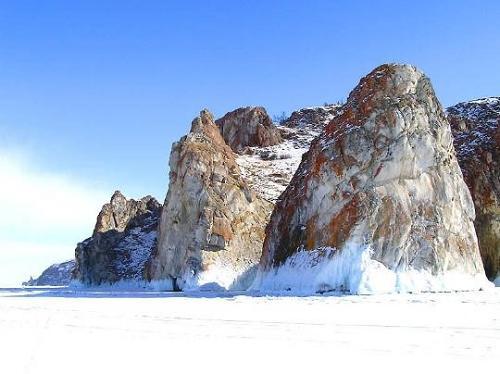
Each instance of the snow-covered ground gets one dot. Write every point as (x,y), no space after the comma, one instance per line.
(83,331)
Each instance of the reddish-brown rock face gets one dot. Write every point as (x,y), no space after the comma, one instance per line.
(381,186)
(248,127)
(476,129)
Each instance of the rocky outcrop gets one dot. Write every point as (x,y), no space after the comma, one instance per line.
(123,238)
(248,127)
(269,169)
(378,203)
(119,212)
(476,129)
(312,118)
(212,223)
(54,275)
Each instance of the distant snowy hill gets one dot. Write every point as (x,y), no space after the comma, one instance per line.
(54,275)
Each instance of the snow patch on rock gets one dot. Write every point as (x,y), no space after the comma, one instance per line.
(268,170)
(476,134)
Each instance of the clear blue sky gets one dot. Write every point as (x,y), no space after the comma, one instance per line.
(96,91)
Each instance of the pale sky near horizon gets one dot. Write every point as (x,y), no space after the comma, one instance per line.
(93,93)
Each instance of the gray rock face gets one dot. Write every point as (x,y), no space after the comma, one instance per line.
(123,238)
(212,223)
(54,275)
(476,129)
(378,203)
(248,127)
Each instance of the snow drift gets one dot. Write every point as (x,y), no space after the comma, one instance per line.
(352,270)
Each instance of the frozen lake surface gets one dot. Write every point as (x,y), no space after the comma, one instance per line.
(76,331)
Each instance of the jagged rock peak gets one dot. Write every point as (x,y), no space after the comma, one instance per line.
(122,241)
(212,224)
(248,127)
(119,212)
(476,129)
(205,118)
(378,203)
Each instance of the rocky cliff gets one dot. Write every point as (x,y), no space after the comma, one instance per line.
(212,223)
(476,129)
(378,203)
(123,238)
(54,275)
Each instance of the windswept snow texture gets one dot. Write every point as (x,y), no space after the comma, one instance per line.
(82,332)
(134,250)
(127,255)
(352,270)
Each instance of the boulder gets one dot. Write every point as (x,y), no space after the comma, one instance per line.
(476,129)
(212,223)
(378,203)
(123,238)
(248,127)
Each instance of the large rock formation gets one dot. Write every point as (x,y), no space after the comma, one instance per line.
(248,127)
(476,129)
(54,275)
(212,223)
(378,203)
(123,238)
